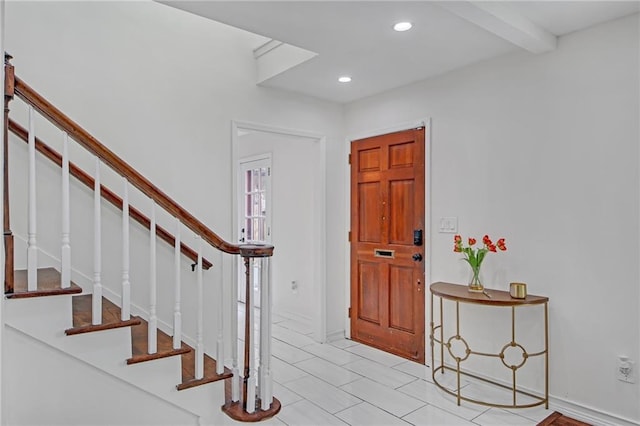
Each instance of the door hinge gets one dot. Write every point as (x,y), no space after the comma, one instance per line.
(349,236)
(349,312)
(349,158)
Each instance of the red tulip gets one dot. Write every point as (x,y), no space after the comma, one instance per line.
(486,240)
(472,241)
(492,248)
(457,248)
(457,239)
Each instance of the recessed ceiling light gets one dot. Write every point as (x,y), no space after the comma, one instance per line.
(344,79)
(403,26)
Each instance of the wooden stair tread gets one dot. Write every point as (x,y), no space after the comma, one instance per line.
(139,344)
(189,366)
(82,316)
(48,285)
(559,419)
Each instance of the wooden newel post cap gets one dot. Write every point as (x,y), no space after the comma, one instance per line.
(9,80)
(256,250)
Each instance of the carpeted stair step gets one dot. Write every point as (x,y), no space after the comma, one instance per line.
(48,285)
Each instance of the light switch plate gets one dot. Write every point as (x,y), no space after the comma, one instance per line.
(448,225)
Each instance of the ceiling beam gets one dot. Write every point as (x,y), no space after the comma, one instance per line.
(275,57)
(266,48)
(502,21)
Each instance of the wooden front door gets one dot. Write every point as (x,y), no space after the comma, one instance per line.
(387,243)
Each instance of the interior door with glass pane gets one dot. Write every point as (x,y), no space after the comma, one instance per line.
(253,207)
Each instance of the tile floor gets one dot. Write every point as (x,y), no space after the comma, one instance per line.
(347,383)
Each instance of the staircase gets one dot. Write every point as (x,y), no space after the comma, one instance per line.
(69,309)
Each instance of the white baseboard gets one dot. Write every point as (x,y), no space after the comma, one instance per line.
(576,410)
(588,414)
(335,335)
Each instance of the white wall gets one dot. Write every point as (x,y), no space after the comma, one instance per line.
(540,149)
(75,392)
(293,210)
(543,150)
(2,3)
(160,88)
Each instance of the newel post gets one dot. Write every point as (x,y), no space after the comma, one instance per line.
(256,401)
(9,90)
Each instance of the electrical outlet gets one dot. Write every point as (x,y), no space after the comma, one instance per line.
(294,287)
(624,370)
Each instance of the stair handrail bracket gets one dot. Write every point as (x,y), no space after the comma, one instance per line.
(250,401)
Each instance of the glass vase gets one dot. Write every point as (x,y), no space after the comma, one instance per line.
(475,282)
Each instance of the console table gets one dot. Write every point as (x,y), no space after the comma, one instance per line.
(492,298)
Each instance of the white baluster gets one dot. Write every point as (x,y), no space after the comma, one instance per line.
(200,315)
(251,383)
(96,299)
(235,370)
(153,318)
(266,380)
(32,248)
(126,285)
(177,315)
(65,255)
(220,342)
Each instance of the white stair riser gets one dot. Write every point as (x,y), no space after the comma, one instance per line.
(46,318)
(55,379)
(40,316)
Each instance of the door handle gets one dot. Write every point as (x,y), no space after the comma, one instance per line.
(417,257)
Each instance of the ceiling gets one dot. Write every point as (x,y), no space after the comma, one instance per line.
(356,38)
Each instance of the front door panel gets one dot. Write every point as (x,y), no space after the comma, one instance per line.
(387,206)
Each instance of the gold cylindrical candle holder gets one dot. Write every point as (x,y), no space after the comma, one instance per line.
(518,290)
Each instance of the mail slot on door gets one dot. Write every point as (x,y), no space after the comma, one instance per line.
(390,254)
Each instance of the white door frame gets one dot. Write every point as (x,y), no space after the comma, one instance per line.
(262,160)
(317,252)
(426,123)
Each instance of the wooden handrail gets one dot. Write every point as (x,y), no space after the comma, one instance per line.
(106,193)
(106,156)
(64,123)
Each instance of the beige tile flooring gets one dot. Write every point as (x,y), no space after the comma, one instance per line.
(345,382)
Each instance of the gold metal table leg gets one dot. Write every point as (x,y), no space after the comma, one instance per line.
(431,337)
(457,358)
(441,340)
(546,356)
(513,340)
